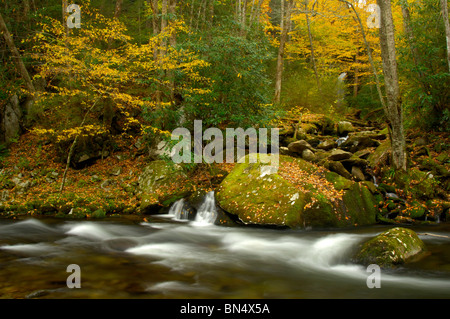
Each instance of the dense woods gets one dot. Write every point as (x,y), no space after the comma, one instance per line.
(314,124)
(89,81)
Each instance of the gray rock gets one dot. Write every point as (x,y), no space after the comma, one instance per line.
(358,142)
(308,155)
(299,146)
(393,247)
(339,155)
(344,127)
(358,173)
(327,145)
(337,167)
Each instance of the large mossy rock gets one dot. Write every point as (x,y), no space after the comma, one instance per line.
(298,194)
(381,155)
(256,194)
(161,184)
(393,247)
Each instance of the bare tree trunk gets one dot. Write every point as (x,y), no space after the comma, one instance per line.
(72,149)
(164,11)
(173,43)
(202,6)
(311,43)
(447,28)
(258,11)
(243,18)
(394,110)
(369,53)
(356,82)
(412,43)
(286,16)
(192,14)
(16,57)
(64,16)
(118,8)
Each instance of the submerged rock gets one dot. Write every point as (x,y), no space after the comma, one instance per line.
(393,247)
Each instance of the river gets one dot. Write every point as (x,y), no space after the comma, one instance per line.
(165,257)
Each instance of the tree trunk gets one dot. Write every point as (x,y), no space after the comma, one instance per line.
(356,82)
(311,43)
(394,111)
(192,14)
(16,57)
(243,18)
(118,8)
(286,16)
(412,43)
(369,53)
(447,28)
(164,9)
(64,16)
(173,43)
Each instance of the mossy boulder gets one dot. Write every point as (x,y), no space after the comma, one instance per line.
(360,205)
(393,247)
(381,155)
(298,194)
(256,194)
(161,184)
(344,127)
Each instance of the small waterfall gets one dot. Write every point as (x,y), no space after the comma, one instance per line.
(177,211)
(341,140)
(375,181)
(207,213)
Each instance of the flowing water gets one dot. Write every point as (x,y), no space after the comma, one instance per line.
(171,257)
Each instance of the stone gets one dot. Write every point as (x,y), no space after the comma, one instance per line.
(339,182)
(393,247)
(299,146)
(258,195)
(358,142)
(308,155)
(162,183)
(344,127)
(327,145)
(339,155)
(337,167)
(358,174)
(381,155)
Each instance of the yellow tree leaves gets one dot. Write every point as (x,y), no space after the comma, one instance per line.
(339,46)
(82,66)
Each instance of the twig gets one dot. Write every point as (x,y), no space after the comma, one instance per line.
(434,235)
(72,148)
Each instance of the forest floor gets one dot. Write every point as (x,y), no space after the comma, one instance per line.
(31,177)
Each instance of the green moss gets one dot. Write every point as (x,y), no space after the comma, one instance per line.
(393,247)
(98,214)
(361,205)
(339,182)
(161,184)
(260,199)
(381,154)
